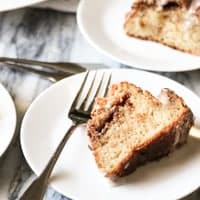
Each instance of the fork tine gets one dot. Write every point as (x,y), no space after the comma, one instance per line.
(76,100)
(98,90)
(82,106)
(99,86)
(96,93)
(107,85)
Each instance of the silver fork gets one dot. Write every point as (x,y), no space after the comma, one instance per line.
(53,71)
(79,114)
(53,76)
(67,67)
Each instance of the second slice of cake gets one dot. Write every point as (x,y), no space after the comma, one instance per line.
(175,23)
(131,127)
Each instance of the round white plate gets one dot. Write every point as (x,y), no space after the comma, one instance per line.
(7,119)
(6,5)
(101,23)
(76,174)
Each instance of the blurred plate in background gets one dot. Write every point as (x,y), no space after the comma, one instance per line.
(101,23)
(7,119)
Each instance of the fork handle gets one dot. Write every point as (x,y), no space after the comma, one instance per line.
(67,67)
(37,189)
(52,76)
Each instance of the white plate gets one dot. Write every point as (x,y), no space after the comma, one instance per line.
(7,119)
(6,5)
(76,174)
(101,23)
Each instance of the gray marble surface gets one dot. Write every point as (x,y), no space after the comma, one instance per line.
(50,36)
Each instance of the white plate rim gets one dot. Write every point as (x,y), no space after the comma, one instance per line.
(11,130)
(6,5)
(133,63)
(28,158)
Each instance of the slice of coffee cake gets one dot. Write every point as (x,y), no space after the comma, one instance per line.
(130,127)
(175,23)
